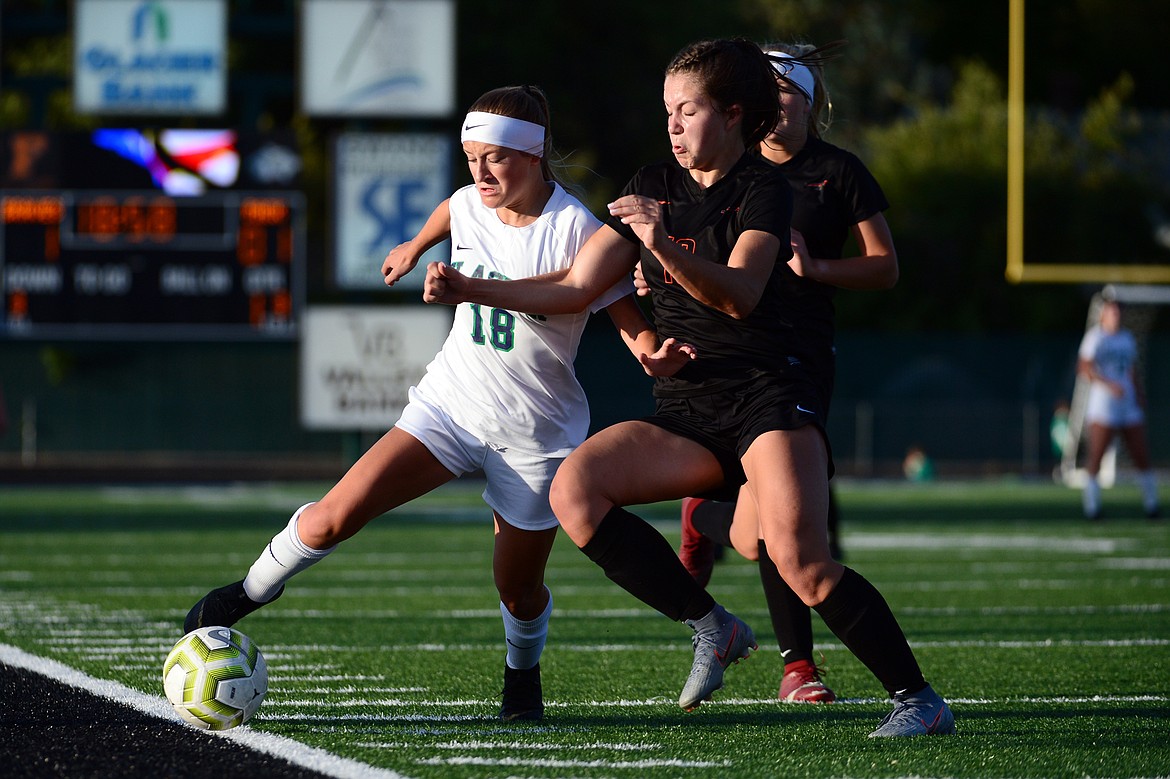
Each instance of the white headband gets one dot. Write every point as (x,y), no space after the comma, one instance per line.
(795,73)
(504,131)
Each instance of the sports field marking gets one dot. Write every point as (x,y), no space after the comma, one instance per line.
(1039,611)
(513,744)
(156,706)
(351,689)
(352,703)
(350,678)
(603,587)
(684,646)
(1136,563)
(1047,543)
(512,762)
(627,703)
(395,718)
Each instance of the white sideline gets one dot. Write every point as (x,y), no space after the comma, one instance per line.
(278,746)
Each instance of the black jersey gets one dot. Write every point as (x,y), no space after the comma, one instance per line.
(832,190)
(707,222)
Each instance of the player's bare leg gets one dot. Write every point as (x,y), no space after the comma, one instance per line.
(518,564)
(394,471)
(609,471)
(787,471)
(1139,452)
(1100,436)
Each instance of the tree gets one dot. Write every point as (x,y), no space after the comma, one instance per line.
(1089,185)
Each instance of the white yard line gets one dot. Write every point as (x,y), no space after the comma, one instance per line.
(627,703)
(156,706)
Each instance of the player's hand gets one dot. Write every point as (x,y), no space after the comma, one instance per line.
(644,215)
(669,359)
(641,288)
(444,284)
(399,262)
(800,263)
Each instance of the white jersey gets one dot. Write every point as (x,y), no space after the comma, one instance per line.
(1114,356)
(508,377)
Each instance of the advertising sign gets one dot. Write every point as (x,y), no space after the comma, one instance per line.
(357,362)
(150,56)
(386,186)
(378,57)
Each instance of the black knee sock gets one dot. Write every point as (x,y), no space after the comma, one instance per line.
(858,615)
(834,514)
(791,618)
(637,558)
(713,519)
(834,523)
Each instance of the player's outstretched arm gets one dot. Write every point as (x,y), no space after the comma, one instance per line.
(604,259)
(403,257)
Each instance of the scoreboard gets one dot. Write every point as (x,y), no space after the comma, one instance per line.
(107,262)
(141,264)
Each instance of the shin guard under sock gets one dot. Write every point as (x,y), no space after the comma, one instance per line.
(525,637)
(638,559)
(284,557)
(858,615)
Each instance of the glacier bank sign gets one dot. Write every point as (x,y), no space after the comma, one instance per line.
(150,56)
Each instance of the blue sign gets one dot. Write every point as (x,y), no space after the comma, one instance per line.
(386,185)
(150,56)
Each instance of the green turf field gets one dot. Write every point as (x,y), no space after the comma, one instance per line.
(1049,635)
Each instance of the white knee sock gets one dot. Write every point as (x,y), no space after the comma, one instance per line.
(1091,499)
(525,638)
(284,557)
(1149,491)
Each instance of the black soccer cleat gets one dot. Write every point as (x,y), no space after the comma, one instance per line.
(523,700)
(223,607)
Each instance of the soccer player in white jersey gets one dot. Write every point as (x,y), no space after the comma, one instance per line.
(500,396)
(1108,358)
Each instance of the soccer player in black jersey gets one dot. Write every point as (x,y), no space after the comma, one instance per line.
(711,230)
(834,195)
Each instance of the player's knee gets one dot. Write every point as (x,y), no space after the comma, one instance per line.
(321,526)
(569,491)
(809,576)
(748,550)
(810,588)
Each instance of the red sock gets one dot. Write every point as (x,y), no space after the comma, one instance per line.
(798,665)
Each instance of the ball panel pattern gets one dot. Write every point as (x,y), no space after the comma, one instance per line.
(215,677)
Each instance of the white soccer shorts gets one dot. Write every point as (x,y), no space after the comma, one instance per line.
(517,482)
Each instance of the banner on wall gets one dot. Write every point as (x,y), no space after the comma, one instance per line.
(150,56)
(385,187)
(378,57)
(358,362)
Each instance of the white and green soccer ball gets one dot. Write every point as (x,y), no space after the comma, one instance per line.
(215,677)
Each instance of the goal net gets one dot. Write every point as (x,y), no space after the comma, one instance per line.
(1140,306)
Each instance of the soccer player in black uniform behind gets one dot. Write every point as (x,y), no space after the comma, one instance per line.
(711,229)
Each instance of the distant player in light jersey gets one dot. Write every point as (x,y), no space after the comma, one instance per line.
(1108,359)
(500,397)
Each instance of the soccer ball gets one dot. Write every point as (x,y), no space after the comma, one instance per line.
(215,677)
